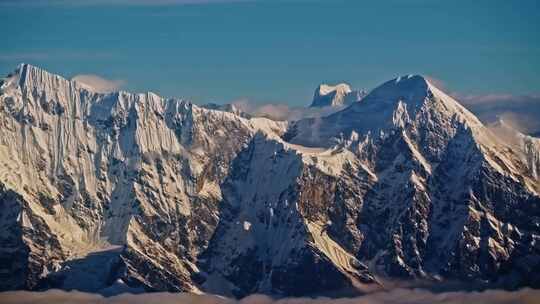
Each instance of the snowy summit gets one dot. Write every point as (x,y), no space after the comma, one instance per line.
(334,96)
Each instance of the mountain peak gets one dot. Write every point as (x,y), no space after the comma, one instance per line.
(24,68)
(410,88)
(27,75)
(414,91)
(325,89)
(332,95)
(395,103)
(418,78)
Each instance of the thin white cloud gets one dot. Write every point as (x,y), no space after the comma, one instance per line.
(99,84)
(394,296)
(437,82)
(19,3)
(280,111)
(52,54)
(520,111)
(24,56)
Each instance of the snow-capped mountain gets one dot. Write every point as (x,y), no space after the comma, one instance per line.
(116,191)
(334,96)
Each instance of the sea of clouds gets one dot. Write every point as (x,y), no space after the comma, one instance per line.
(395,296)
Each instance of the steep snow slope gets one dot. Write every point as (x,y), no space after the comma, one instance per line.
(265,241)
(172,196)
(98,169)
(448,195)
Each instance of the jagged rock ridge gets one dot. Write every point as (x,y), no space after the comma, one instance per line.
(172,196)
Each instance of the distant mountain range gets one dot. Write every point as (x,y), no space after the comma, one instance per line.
(113,192)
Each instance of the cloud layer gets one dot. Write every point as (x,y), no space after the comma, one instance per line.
(521,112)
(99,84)
(395,296)
(282,111)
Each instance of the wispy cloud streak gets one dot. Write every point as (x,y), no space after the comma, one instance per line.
(520,111)
(280,111)
(52,55)
(21,3)
(99,84)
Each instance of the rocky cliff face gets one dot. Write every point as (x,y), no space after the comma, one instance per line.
(165,195)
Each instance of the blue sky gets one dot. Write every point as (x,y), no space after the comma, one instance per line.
(277,51)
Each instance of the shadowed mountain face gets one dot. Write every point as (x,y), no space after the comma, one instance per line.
(136,192)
